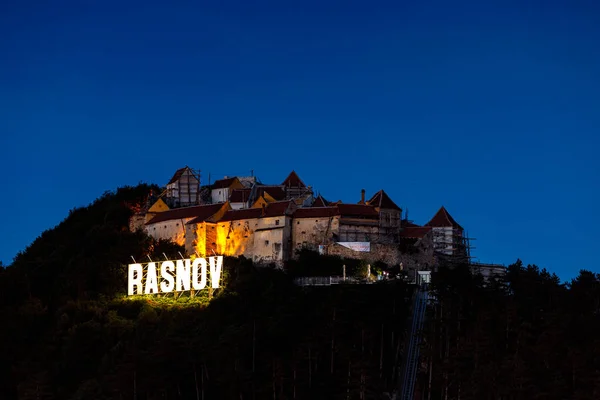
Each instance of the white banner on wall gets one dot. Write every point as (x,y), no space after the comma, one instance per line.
(357,246)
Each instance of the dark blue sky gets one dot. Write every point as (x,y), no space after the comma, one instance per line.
(489,108)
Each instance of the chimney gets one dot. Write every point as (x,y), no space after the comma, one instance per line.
(362,196)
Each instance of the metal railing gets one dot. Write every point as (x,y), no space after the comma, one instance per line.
(328,281)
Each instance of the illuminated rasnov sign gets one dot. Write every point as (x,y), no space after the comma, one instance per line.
(178,276)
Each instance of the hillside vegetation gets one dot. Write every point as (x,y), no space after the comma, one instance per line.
(69,332)
(527,337)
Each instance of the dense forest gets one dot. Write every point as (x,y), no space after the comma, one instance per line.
(527,336)
(69,331)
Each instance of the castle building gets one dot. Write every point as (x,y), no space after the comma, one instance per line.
(223,188)
(296,190)
(170,224)
(449,239)
(270,223)
(262,234)
(240,198)
(183,189)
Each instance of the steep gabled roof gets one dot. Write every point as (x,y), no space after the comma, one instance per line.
(443,219)
(186,212)
(320,202)
(276,192)
(224,183)
(211,214)
(358,210)
(240,195)
(415,232)
(246,213)
(158,206)
(177,175)
(278,208)
(382,200)
(316,212)
(293,180)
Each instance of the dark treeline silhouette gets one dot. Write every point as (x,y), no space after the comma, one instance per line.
(69,332)
(527,336)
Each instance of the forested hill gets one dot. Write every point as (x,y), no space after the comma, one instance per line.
(68,331)
(530,337)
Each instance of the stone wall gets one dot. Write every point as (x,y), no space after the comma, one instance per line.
(311,232)
(136,222)
(169,230)
(358,233)
(387,253)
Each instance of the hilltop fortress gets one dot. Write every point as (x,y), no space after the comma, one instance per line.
(268,223)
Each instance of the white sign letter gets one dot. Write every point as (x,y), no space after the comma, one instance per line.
(202,284)
(134,281)
(215,270)
(151,280)
(166,271)
(183,275)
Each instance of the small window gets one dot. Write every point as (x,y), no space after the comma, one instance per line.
(177,224)
(276,222)
(298,223)
(154,228)
(165,227)
(266,242)
(219,192)
(316,220)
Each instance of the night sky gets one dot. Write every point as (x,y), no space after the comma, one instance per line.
(490,108)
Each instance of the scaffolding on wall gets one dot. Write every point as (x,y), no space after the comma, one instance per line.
(452,246)
(185,191)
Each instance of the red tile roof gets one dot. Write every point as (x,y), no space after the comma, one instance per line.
(177,175)
(209,213)
(408,224)
(278,208)
(316,212)
(443,219)
(415,232)
(224,183)
(275,192)
(247,213)
(358,210)
(293,180)
(205,211)
(382,200)
(320,202)
(240,195)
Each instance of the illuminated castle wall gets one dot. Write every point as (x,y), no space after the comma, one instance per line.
(268,223)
